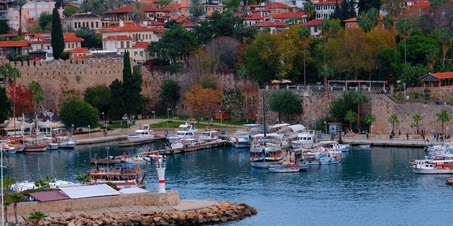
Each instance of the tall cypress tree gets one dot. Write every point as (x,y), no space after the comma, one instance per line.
(57,35)
(347,7)
(132,87)
(116,102)
(338,13)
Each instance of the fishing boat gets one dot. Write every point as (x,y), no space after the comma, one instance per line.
(324,154)
(265,150)
(65,142)
(34,145)
(185,132)
(142,134)
(121,175)
(243,136)
(9,148)
(288,168)
(432,167)
(304,139)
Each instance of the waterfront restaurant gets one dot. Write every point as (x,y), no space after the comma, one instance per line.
(437,79)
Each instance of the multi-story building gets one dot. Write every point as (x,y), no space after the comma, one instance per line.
(324,8)
(122,14)
(79,20)
(210,6)
(43,41)
(9,10)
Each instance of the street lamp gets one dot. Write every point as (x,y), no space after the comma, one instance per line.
(89,131)
(103,118)
(371,132)
(325,123)
(3,211)
(168,116)
(176,111)
(154,113)
(390,128)
(220,111)
(72,130)
(405,91)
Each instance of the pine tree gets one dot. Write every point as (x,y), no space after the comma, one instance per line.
(57,35)
(116,100)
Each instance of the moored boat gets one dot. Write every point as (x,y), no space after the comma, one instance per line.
(186,132)
(432,167)
(121,175)
(142,134)
(287,168)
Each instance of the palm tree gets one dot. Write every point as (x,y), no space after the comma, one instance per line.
(48,179)
(304,34)
(445,38)
(404,27)
(430,52)
(388,21)
(37,215)
(20,3)
(374,16)
(35,88)
(394,119)
(40,183)
(5,71)
(325,71)
(325,25)
(14,73)
(83,178)
(417,118)
(15,198)
(359,98)
(8,181)
(350,117)
(309,9)
(369,119)
(196,8)
(137,15)
(6,203)
(443,117)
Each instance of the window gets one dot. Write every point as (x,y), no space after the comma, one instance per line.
(79,25)
(146,36)
(92,24)
(122,44)
(31,13)
(10,14)
(97,24)
(16,13)
(315,29)
(318,15)
(186,10)
(73,45)
(127,44)
(46,5)
(75,24)
(141,53)
(16,21)
(135,53)
(42,46)
(83,24)
(77,45)
(122,53)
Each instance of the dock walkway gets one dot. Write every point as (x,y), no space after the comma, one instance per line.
(391,143)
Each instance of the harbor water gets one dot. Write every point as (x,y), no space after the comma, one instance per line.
(370,187)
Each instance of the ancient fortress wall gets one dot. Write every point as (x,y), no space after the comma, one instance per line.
(59,79)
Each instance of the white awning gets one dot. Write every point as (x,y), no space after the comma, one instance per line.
(132,190)
(89,191)
(297,127)
(279,125)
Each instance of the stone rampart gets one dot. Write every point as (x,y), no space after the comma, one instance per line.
(171,198)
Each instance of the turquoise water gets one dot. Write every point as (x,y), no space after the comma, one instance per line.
(370,187)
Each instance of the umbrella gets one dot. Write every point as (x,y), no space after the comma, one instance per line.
(276,81)
(286,81)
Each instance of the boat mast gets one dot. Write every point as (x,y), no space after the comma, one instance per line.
(264,118)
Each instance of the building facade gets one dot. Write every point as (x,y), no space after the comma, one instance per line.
(79,20)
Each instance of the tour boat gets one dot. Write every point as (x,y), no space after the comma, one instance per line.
(184,143)
(136,159)
(209,136)
(52,143)
(121,175)
(65,142)
(142,134)
(9,148)
(432,167)
(288,168)
(304,139)
(34,145)
(266,150)
(326,153)
(186,132)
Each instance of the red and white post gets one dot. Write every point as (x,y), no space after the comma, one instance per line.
(161,174)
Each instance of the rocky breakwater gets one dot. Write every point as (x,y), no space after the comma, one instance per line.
(220,212)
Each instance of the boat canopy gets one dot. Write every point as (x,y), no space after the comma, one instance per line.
(256,150)
(297,128)
(267,135)
(279,125)
(251,125)
(272,149)
(185,125)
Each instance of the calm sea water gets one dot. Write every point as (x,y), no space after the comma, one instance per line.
(370,187)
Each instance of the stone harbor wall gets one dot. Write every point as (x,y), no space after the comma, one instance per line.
(170,198)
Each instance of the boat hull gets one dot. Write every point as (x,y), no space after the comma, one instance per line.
(284,169)
(35,149)
(301,145)
(241,144)
(143,138)
(67,146)
(265,164)
(432,171)
(52,146)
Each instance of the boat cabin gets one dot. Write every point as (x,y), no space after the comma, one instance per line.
(121,175)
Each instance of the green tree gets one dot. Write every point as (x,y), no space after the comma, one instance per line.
(37,216)
(445,37)
(339,107)
(117,109)
(169,92)
(57,35)
(78,113)
(364,22)
(431,52)
(175,42)
(84,178)
(4,27)
(369,119)
(40,183)
(233,100)
(443,117)
(35,88)
(390,62)
(348,10)
(404,27)
(232,5)
(350,117)
(196,8)
(5,105)
(99,6)
(132,87)
(285,102)
(394,119)
(98,97)
(365,5)
(70,10)
(21,4)
(359,98)
(417,43)
(44,19)
(90,39)
(304,34)
(136,14)
(437,3)
(8,181)
(326,71)
(165,2)
(309,10)
(388,21)
(15,198)
(417,118)
(337,13)
(412,74)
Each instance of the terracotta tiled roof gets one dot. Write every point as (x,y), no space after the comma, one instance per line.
(118,37)
(155,23)
(276,5)
(270,24)
(182,19)
(288,15)
(313,22)
(79,50)
(355,19)
(253,16)
(127,27)
(78,57)
(327,2)
(260,10)
(173,6)
(144,8)
(157,29)
(21,43)
(68,37)
(421,4)
(141,45)
(443,75)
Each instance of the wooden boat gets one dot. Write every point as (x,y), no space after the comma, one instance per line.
(121,175)
(34,146)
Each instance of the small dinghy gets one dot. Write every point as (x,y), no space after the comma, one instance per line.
(287,168)
(365,146)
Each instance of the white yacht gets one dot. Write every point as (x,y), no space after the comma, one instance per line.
(185,132)
(209,136)
(142,134)
(65,142)
(243,137)
(304,139)
(432,167)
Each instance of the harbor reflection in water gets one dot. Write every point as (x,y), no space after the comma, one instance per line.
(369,187)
